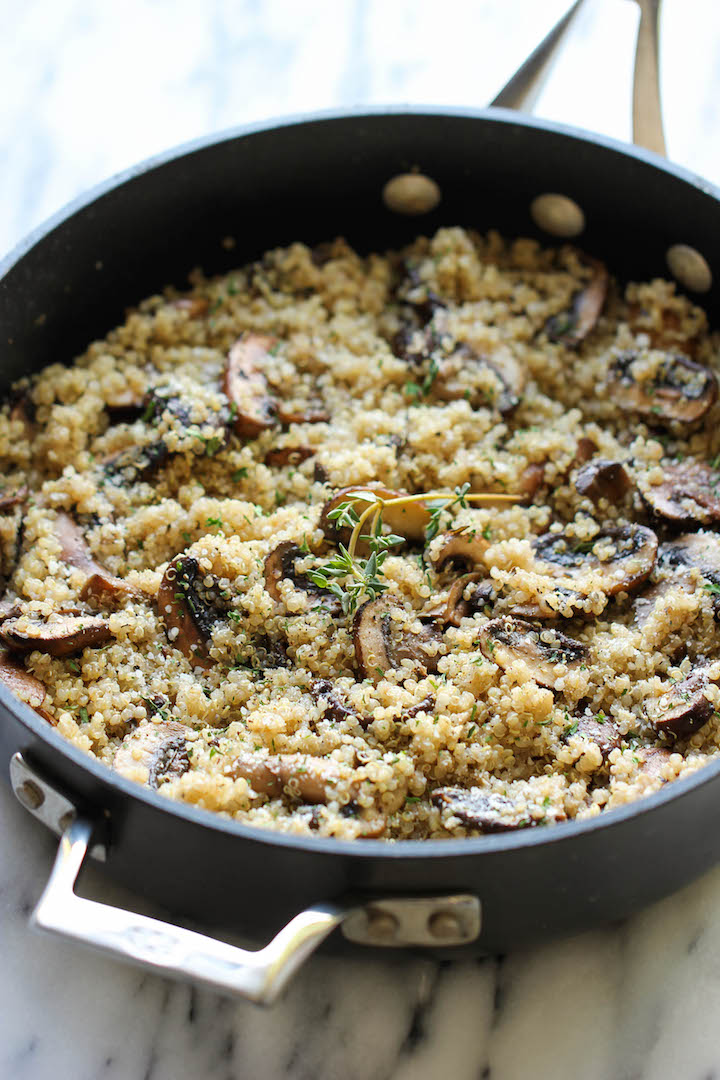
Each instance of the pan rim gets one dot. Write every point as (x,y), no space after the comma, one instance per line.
(459,848)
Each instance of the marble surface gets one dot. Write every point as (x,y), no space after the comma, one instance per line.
(90,88)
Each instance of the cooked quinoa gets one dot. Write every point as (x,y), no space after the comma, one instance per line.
(174,522)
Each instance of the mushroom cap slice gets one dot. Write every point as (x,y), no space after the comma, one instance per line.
(487,811)
(546,653)
(189,608)
(507,376)
(280,565)
(246,385)
(679,389)
(689,494)
(652,760)
(310,779)
(614,560)
(598,729)
(572,327)
(101,584)
(280,456)
(466,548)
(684,709)
(603,479)
(160,747)
(136,463)
(383,642)
(699,550)
(409,519)
(62,635)
(459,606)
(24,685)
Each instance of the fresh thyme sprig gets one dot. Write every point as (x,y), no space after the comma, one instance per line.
(349,576)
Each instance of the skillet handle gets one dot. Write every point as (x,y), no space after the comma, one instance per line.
(171,950)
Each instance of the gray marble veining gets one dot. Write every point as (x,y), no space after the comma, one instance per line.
(89,89)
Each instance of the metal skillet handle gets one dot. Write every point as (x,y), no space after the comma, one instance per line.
(166,949)
(524,87)
(171,950)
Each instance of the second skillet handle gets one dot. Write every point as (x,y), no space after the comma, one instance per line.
(166,949)
(171,950)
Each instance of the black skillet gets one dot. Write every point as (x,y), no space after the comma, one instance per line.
(313,179)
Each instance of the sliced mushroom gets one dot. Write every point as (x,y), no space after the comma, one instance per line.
(450,382)
(305,777)
(101,584)
(480,592)
(160,747)
(679,389)
(11,499)
(614,560)
(137,463)
(280,566)
(383,642)
(24,685)
(335,709)
(572,327)
(602,479)
(599,729)
(644,604)
(280,456)
(462,547)
(313,413)
(246,386)
(190,609)
(61,635)
(689,494)
(652,761)
(531,480)
(684,709)
(409,519)
(548,654)
(487,811)
(194,306)
(584,451)
(691,551)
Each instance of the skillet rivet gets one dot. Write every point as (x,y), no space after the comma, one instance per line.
(411,193)
(689,267)
(444,925)
(30,795)
(557,214)
(381,925)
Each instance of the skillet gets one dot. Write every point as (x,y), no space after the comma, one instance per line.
(220,202)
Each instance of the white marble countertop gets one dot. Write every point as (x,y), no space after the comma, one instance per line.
(88,89)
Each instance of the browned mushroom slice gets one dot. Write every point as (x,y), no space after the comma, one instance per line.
(246,386)
(487,811)
(280,565)
(190,609)
(101,584)
(689,494)
(531,480)
(546,653)
(280,456)
(310,779)
(602,479)
(652,760)
(469,595)
(160,747)
(335,709)
(584,451)
(136,463)
(409,519)
(193,306)
(383,642)
(462,547)
(10,499)
(683,709)
(61,635)
(313,413)
(572,327)
(614,560)
(450,383)
(24,685)
(679,389)
(644,604)
(597,728)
